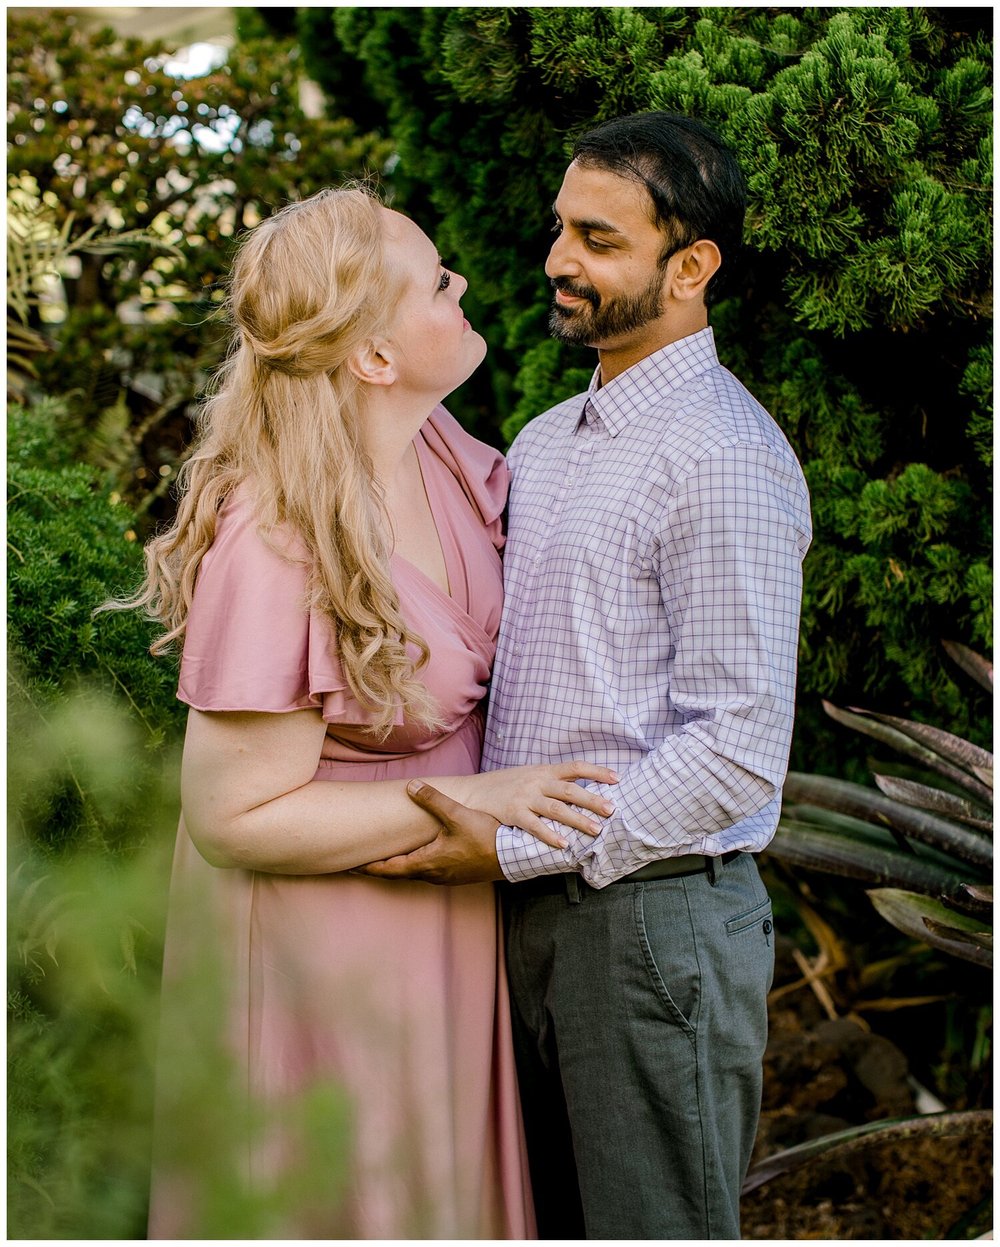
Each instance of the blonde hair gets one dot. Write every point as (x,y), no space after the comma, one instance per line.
(310,286)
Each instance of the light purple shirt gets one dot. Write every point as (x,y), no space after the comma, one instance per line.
(653,580)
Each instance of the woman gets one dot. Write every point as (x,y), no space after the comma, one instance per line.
(334,579)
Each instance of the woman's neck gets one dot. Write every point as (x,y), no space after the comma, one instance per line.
(390,425)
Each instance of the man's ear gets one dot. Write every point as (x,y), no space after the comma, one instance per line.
(693,268)
(373,364)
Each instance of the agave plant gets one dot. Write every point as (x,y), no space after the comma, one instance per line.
(925,840)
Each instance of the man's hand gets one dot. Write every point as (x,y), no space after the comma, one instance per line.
(464,850)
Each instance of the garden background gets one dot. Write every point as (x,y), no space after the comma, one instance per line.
(860,315)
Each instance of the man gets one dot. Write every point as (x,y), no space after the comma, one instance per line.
(653,577)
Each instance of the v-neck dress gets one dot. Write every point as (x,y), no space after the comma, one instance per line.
(391,994)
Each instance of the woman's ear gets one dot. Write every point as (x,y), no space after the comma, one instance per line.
(695,267)
(373,364)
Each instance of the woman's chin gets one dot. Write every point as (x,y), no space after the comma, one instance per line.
(479,349)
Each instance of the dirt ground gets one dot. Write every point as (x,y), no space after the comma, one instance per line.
(822,1075)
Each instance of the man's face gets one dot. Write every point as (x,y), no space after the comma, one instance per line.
(605,263)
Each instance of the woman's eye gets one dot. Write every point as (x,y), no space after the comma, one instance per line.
(557,228)
(445,281)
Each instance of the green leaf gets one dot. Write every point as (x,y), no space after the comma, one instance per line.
(819,848)
(924,797)
(873,807)
(971,663)
(950,747)
(981,939)
(928,920)
(882,728)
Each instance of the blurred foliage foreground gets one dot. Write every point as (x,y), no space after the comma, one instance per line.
(85,943)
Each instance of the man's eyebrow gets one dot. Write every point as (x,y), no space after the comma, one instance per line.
(587,225)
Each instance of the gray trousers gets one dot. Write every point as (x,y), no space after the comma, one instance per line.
(640,1020)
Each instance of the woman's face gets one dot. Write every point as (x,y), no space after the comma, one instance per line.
(434,347)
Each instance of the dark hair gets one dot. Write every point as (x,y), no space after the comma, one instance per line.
(695,184)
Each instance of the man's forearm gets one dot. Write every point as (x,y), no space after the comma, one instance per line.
(678,799)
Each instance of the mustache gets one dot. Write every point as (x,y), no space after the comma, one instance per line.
(580,292)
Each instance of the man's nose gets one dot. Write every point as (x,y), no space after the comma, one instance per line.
(561,261)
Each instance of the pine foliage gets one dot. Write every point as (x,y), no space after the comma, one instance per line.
(860,314)
(71,546)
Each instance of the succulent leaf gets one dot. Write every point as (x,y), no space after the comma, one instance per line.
(889,731)
(860,802)
(940,1125)
(971,663)
(926,797)
(982,939)
(926,919)
(949,746)
(820,848)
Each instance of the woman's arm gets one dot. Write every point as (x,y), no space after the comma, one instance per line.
(250,800)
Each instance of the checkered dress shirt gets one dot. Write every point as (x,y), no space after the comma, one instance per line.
(653,578)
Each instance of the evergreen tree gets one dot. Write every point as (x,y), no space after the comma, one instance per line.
(859,316)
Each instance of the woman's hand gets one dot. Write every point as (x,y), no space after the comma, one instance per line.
(522,796)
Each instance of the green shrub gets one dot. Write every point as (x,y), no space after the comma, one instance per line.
(860,316)
(71,546)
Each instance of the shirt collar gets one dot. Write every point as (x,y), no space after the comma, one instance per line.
(647,382)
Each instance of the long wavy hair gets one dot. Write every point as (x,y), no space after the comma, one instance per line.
(310,286)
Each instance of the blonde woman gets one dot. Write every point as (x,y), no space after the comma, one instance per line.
(334,582)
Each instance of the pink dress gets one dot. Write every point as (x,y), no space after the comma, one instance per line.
(388,998)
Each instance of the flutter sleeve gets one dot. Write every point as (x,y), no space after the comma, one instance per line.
(479,469)
(251,642)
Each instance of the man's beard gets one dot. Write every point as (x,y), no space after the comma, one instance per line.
(605,319)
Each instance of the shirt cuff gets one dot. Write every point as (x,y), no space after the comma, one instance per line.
(523,856)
